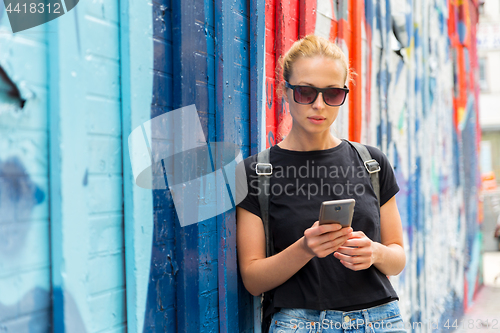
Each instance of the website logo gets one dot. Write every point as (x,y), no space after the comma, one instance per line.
(26,14)
(170,151)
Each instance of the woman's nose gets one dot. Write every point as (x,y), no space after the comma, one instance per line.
(319,103)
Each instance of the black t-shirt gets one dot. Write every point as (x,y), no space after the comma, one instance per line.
(300,182)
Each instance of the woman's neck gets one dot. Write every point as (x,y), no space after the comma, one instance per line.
(319,141)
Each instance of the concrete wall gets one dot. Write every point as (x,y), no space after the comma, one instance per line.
(86,250)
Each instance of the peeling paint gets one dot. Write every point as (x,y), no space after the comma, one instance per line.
(85,180)
(18,195)
(10,96)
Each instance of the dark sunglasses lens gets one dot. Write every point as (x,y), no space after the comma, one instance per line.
(334,96)
(305,95)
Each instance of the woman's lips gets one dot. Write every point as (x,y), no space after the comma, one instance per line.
(316,120)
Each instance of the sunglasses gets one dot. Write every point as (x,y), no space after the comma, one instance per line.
(308,94)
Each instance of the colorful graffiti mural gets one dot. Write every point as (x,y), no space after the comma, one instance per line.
(84,249)
(414,97)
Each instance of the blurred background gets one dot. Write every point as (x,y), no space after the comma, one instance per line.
(83,249)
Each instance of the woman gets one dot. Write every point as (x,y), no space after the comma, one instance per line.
(323,278)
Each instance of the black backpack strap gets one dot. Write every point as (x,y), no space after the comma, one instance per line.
(264,170)
(371,165)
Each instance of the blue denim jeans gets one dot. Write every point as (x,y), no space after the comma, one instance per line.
(378,319)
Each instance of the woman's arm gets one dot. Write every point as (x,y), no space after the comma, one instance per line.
(261,274)
(360,252)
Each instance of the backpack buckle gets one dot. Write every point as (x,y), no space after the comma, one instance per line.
(372,166)
(264,169)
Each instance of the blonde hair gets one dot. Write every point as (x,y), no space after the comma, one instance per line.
(311,46)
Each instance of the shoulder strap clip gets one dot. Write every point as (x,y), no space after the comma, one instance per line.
(264,169)
(372,166)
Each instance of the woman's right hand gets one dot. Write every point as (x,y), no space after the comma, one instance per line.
(261,273)
(322,240)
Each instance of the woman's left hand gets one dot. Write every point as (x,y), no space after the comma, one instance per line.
(358,252)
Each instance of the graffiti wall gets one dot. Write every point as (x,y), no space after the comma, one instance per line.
(415,97)
(84,249)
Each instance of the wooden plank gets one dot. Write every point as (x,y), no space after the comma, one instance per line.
(99,29)
(68,167)
(28,240)
(105,78)
(257,75)
(113,280)
(190,57)
(103,115)
(107,308)
(105,233)
(136,55)
(31,116)
(105,154)
(227,70)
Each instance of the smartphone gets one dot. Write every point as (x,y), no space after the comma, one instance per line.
(337,211)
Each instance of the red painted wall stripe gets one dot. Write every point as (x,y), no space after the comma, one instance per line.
(356,12)
(334,28)
(270,81)
(287,30)
(307,18)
